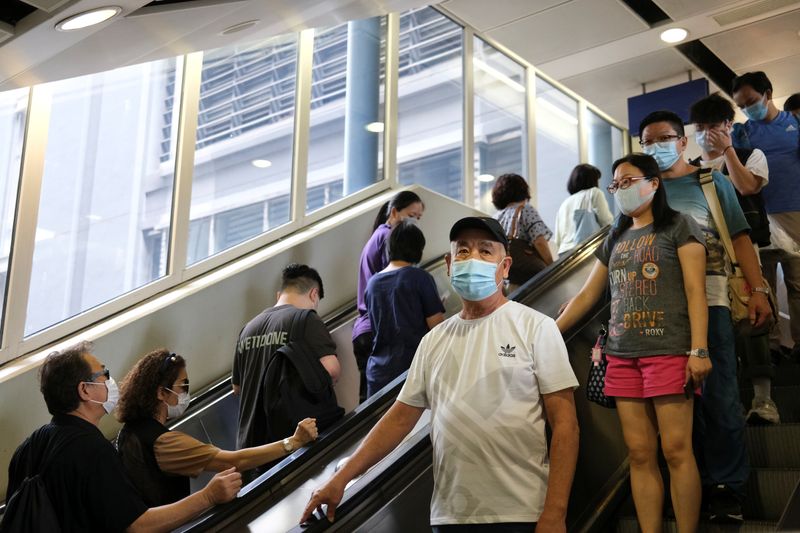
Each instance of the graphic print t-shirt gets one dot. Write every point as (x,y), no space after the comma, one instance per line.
(649,313)
(684,194)
(482,380)
(259,339)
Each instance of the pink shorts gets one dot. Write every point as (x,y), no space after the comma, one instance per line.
(645,377)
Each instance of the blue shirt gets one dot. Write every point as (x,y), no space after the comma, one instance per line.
(780,141)
(398,302)
(685,195)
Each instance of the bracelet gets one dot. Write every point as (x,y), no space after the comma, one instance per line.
(702,353)
(726,148)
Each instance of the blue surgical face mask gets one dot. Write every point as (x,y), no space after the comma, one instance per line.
(474,279)
(757,111)
(665,153)
(630,199)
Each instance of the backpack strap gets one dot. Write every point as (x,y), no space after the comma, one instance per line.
(706,178)
(515,222)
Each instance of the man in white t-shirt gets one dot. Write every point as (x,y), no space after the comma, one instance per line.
(491,375)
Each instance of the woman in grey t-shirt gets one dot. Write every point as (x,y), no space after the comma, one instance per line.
(654,262)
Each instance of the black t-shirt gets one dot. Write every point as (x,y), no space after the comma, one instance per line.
(85,483)
(259,339)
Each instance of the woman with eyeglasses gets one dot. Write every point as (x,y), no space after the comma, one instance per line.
(159,461)
(654,261)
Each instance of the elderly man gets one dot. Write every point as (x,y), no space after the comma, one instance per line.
(85,481)
(490,375)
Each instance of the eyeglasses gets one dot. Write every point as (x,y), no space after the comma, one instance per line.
(624,183)
(105,372)
(182,387)
(661,139)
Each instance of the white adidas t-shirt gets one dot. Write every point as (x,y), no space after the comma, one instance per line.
(483,380)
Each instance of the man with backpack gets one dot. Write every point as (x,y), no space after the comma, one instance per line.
(747,170)
(285,364)
(67,477)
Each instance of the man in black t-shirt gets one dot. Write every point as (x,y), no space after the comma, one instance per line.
(301,289)
(85,481)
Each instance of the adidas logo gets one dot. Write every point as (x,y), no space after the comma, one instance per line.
(791,127)
(507,351)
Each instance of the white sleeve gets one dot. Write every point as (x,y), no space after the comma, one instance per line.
(559,229)
(757,164)
(550,359)
(604,216)
(415,390)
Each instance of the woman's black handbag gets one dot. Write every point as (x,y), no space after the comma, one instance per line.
(597,374)
(525,260)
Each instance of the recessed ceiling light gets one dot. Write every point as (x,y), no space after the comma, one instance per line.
(261,163)
(374,127)
(674,35)
(485,178)
(236,28)
(88,18)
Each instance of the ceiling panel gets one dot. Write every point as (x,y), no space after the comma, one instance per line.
(784,75)
(760,42)
(474,12)
(680,9)
(568,28)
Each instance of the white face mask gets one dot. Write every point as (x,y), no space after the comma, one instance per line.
(174,411)
(113,394)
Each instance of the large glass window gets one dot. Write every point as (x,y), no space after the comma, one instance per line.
(13,107)
(243,151)
(430,102)
(605,147)
(500,140)
(346,135)
(557,149)
(104,213)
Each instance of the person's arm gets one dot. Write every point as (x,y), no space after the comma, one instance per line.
(236,390)
(560,410)
(434,320)
(591,291)
(543,247)
(331,364)
(222,488)
(692,256)
(743,180)
(249,458)
(759,307)
(384,437)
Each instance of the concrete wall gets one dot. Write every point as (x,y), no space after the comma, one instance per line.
(201,319)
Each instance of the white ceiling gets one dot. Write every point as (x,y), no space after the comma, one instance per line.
(598,48)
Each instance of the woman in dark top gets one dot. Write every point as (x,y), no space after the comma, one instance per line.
(404,205)
(402,305)
(159,461)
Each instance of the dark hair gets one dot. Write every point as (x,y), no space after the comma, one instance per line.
(60,376)
(757,80)
(406,243)
(301,279)
(509,188)
(663,214)
(792,103)
(662,116)
(712,109)
(138,398)
(399,201)
(583,176)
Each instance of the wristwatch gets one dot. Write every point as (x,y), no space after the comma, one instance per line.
(762,290)
(702,353)
(287,445)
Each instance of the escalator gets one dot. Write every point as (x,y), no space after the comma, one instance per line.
(395,494)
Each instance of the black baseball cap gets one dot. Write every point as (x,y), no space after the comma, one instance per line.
(482,223)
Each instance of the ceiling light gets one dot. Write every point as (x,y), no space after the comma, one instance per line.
(88,18)
(374,127)
(674,35)
(261,163)
(236,28)
(485,178)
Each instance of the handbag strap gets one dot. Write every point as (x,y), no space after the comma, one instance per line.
(515,221)
(710,192)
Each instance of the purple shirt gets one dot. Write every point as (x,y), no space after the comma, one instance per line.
(374,258)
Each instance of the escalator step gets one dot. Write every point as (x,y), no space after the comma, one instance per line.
(786,397)
(768,490)
(629,524)
(774,446)
(786,373)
